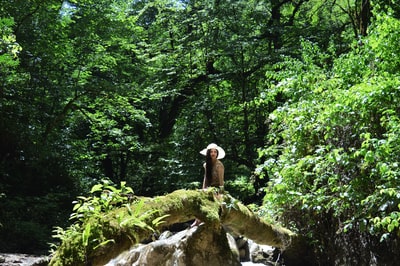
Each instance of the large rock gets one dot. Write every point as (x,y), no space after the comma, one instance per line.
(196,246)
(15,259)
(207,245)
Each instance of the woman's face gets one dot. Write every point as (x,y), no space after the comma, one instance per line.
(213,153)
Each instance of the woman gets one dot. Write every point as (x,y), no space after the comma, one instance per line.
(213,169)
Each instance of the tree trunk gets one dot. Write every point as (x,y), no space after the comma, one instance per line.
(365,15)
(214,210)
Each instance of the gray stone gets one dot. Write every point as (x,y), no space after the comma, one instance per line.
(23,260)
(196,246)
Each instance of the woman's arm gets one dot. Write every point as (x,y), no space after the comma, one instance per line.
(221,170)
(204,179)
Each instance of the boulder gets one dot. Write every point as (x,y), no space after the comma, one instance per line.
(196,246)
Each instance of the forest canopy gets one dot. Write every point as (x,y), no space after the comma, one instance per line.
(302,95)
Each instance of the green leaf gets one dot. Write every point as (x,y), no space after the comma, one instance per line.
(104,243)
(158,221)
(86,235)
(96,188)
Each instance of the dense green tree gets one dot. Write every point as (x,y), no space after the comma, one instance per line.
(333,151)
(33,176)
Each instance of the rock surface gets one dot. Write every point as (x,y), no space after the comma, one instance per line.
(22,260)
(146,254)
(197,246)
(194,246)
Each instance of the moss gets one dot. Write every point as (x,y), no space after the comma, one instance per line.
(93,238)
(105,234)
(181,205)
(69,253)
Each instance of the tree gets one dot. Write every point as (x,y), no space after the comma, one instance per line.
(332,149)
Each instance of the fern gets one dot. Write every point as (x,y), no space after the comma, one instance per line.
(91,220)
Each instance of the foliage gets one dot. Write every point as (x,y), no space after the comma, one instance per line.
(242,188)
(9,47)
(333,159)
(88,233)
(131,91)
(27,219)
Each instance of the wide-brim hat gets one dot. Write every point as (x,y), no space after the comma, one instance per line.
(221,152)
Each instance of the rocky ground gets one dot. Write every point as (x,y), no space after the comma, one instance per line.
(33,260)
(22,260)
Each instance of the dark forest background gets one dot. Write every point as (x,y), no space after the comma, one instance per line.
(302,95)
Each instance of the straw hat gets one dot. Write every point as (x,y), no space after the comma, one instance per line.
(221,152)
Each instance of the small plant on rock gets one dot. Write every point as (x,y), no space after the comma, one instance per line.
(107,213)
